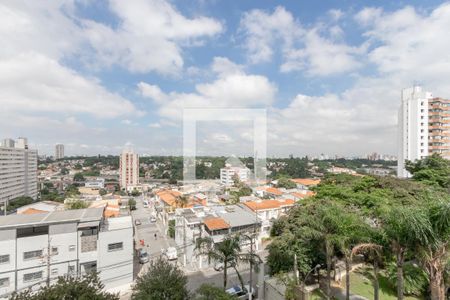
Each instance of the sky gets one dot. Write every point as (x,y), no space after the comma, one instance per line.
(99,76)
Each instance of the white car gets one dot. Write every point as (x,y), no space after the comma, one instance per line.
(240,293)
(171,253)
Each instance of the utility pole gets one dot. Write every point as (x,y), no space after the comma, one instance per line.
(48,262)
(184,241)
(295,269)
(250,297)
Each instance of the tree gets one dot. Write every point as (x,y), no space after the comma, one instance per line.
(284,182)
(351,229)
(132,204)
(71,191)
(432,170)
(406,228)
(18,202)
(78,177)
(374,253)
(210,292)
(135,193)
(69,288)
(227,252)
(435,255)
(77,204)
(102,192)
(162,281)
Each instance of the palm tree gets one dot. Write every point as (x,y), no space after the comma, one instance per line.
(407,229)
(350,230)
(373,251)
(435,255)
(321,225)
(228,252)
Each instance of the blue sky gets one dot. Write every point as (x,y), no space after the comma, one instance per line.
(101,75)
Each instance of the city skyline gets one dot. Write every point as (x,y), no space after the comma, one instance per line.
(330,75)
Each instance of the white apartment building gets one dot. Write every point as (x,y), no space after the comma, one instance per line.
(228,174)
(412,127)
(35,249)
(59,151)
(18,171)
(128,169)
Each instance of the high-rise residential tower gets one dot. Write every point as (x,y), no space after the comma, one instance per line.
(18,171)
(59,151)
(129,169)
(439,127)
(424,127)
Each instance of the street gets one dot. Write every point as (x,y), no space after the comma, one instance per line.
(146,232)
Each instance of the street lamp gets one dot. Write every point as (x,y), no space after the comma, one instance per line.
(306,278)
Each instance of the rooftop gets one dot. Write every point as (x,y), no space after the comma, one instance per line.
(306,181)
(215,223)
(76,215)
(269,204)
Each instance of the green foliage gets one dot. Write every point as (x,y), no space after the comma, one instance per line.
(102,192)
(64,171)
(79,177)
(77,204)
(228,252)
(415,279)
(132,204)
(171,229)
(432,170)
(71,191)
(284,182)
(210,292)
(162,281)
(18,202)
(135,193)
(70,288)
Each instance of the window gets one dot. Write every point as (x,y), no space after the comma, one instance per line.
(115,246)
(4,282)
(32,254)
(32,231)
(55,271)
(32,276)
(55,250)
(72,248)
(4,259)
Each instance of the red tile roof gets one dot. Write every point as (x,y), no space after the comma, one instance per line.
(269,204)
(216,223)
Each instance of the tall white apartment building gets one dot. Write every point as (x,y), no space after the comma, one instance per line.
(59,151)
(128,169)
(228,174)
(35,249)
(18,171)
(424,127)
(413,127)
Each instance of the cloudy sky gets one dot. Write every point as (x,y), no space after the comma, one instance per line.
(100,75)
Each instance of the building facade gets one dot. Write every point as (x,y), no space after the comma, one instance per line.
(59,151)
(228,174)
(36,249)
(423,127)
(18,171)
(439,127)
(128,169)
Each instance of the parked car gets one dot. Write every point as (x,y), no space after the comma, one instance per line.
(240,293)
(143,256)
(171,253)
(145,204)
(152,219)
(137,222)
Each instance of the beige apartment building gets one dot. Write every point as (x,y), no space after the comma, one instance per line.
(18,171)
(128,169)
(439,127)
